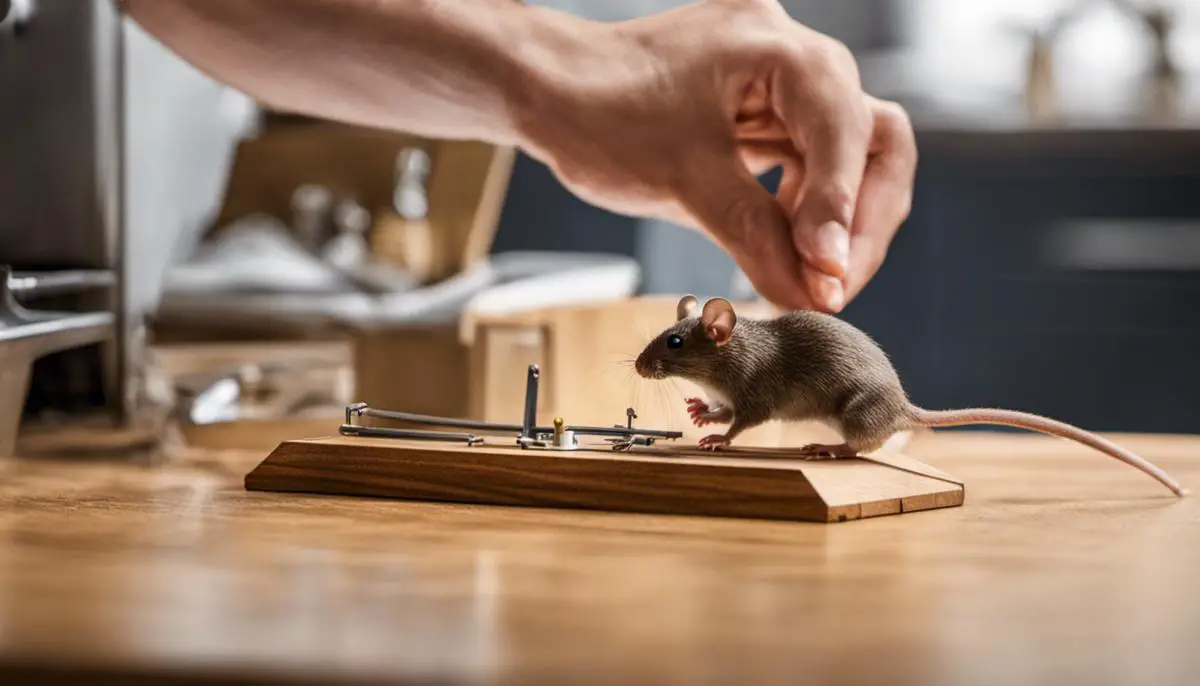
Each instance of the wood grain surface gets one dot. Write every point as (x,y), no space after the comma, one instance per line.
(665,479)
(1063,567)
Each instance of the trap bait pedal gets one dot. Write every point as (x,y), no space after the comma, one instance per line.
(616,469)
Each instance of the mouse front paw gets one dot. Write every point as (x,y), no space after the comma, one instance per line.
(697,410)
(714,442)
(703,414)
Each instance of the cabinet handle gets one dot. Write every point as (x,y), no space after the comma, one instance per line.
(1123,244)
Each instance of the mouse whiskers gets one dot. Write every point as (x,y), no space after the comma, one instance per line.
(677,395)
(643,331)
(628,369)
(662,405)
(625,362)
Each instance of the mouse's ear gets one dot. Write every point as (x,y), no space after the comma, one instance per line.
(686,307)
(718,320)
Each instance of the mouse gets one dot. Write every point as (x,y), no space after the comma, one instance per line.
(806,365)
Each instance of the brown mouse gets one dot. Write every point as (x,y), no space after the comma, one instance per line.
(810,366)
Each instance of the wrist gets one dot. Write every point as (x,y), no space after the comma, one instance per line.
(552,61)
(509,63)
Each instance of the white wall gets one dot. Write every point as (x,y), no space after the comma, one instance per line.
(181,128)
(965,46)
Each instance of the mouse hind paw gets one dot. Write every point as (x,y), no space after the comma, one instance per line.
(714,442)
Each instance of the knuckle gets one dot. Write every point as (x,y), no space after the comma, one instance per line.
(742,216)
(779,47)
(750,14)
(840,54)
(766,8)
(830,56)
(894,120)
(894,134)
(904,211)
(572,176)
(894,115)
(835,196)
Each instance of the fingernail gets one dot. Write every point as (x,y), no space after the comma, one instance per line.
(831,293)
(834,242)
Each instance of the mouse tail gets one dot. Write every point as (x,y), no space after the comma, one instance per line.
(1045,425)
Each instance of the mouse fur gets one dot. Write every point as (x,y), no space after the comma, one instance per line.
(800,366)
(806,366)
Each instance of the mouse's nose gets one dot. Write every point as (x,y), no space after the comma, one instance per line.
(642,367)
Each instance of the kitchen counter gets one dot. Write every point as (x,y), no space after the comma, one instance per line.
(1064,566)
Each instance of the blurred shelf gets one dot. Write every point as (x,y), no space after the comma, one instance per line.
(1123,119)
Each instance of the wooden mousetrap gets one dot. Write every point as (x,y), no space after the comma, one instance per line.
(619,468)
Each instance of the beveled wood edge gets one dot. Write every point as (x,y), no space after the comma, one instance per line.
(906,463)
(296,467)
(954,496)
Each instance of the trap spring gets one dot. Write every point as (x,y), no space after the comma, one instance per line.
(529,435)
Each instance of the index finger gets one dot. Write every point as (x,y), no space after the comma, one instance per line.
(818,95)
(886,197)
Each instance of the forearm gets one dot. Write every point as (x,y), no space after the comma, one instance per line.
(451,69)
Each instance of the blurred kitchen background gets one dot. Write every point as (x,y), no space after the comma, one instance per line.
(178,254)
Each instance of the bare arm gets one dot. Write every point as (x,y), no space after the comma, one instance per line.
(671,115)
(438,69)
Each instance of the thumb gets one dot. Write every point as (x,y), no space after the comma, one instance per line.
(741,216)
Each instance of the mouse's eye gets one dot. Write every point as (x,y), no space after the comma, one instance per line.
(674,342)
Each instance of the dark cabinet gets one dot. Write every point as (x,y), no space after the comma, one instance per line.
(989,297)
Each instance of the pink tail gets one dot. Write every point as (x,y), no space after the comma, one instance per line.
(1033,422)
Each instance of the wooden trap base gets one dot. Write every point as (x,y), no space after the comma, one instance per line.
(671,479)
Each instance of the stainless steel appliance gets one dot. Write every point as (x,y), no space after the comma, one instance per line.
(63,330)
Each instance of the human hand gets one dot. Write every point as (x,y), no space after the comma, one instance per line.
(675,115)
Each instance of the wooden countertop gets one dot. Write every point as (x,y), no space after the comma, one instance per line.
(1063,567)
